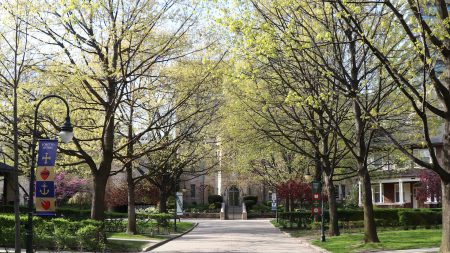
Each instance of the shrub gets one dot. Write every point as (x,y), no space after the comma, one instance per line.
(6,230)
(56,233)
(43,233)
(301,218)
(387,216)
(83,214)
(64,233)
(250,201)
(350,214)
(115,225)
(91,238)
(251,197)
(408,218)
(416,217)
(214,199)
(260,209)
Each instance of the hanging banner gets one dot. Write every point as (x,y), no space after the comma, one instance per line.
(316,196)
(179,202)
(45,176)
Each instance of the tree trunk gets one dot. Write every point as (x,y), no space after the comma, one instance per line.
(163,202)
(370,230)
(286,205)
(98,198)
(445,243)
(332,209)
(16,172)
(102,174)
(131,228)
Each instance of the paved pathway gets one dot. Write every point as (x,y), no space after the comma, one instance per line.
(236,236)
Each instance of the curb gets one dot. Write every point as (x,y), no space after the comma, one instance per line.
(321,250)
(154,246)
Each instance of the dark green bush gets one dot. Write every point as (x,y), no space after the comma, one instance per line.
(214,199)
(303,219)
(260,209)
(386,217)
(251,197)
(250,201)
(416,217)
(350,214)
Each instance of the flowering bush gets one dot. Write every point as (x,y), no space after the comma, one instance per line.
(430,186)
(117,193)
(67,186)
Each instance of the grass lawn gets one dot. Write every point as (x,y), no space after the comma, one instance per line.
(183,226)
(390,240)
(125,246)
(137,246)
(123,235)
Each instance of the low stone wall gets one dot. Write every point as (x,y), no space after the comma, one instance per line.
(201,215)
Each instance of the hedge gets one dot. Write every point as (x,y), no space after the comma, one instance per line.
(67,212)
(386,217)
(250,201)
(56,233)
(412,218)
(215,199)
(303,218)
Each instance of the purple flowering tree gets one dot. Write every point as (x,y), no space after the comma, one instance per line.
(67,185)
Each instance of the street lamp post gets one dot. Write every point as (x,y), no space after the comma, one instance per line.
(322,229)
(318,186)
(66,135)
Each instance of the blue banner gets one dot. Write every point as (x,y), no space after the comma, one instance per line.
(45,189)
(45,175)
(47,152)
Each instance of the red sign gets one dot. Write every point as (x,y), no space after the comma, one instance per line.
(316,196)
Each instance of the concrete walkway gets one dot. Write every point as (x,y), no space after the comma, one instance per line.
(236,236)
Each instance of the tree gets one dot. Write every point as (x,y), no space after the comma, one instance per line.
(96,49)
(424,47)
(296,190)
(16,61)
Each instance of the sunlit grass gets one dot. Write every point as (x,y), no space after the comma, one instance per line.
(390,240)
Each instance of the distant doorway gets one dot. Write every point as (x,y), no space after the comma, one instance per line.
(414,198)
(233,196)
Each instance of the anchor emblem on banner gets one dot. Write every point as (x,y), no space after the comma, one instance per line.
(44,190)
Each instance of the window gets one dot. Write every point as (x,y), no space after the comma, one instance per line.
(378,160)
(423,154)
(376,193)
(342,191)
(336,191)
(192,190)
(397,193)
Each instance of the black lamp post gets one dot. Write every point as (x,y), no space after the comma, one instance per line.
(322,229)
(308,178)
(66,135)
